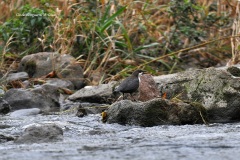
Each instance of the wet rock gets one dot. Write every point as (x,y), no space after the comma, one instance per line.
(155,112)
(6,138)
(4,106)
(41,64)
(94,108)
(94,94)
(27,98)
(216,89)
(82,109)
(40,133)
(25,112)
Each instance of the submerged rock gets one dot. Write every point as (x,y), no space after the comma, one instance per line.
(40,133)
(155,112)
(25,112)
(6,138)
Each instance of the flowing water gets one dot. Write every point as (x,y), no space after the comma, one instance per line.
(88,138)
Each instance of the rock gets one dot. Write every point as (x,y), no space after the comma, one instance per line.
(5,138)
(41,64)
(94,108)
(233,70)
(49,91)
(37,98)
(4,106)
(1,92)
(19,76)
(95,94)
(41,133)
(216,89)
(25,112)
(61,83)
(147,88)
(155,112)
(82,109)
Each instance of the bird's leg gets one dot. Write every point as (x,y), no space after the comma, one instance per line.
(133,97)
(123,96)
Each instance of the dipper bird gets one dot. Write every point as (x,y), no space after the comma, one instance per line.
(130,84)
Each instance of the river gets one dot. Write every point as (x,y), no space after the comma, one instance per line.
(88,138)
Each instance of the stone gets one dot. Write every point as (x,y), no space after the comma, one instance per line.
(27,98)
(61,83)
(147,88)
(19,76)
(95,94)
(41,133)
(155,112)
(4,106)
(82,108)
(25,112)
(5,138)
(216,89)
(41,64)
(1,92)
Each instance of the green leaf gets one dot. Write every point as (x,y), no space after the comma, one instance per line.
(239,47)
(109,21)
(125,35)
(146,46)
(33,21)
(103,19)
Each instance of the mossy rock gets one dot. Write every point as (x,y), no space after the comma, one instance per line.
(155,112)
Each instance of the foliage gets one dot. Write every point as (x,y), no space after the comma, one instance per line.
(25,28)
(191,21)
(109,37)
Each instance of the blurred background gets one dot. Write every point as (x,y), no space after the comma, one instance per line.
(109,38)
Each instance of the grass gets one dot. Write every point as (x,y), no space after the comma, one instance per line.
(111,38)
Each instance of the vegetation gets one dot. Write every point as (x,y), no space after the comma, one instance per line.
(161,36)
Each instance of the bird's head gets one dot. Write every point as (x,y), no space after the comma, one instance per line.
(137,72)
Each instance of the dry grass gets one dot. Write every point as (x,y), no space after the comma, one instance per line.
(139,36)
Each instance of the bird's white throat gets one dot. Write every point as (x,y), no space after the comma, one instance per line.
(139,75)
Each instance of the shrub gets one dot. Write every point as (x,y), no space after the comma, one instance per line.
(25,27)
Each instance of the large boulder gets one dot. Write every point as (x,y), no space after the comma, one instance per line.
(216,89)
(155,112)
(41,64)
(45,98)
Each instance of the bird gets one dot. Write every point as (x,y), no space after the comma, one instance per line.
(130,84)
